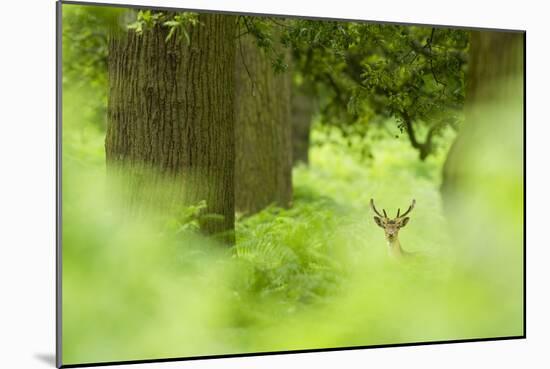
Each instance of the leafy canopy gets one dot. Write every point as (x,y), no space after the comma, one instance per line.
(364,71)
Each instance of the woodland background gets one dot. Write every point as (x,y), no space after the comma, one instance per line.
(308,269)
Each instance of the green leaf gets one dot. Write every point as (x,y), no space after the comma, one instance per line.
(170,34)
(186,36)
(172,23)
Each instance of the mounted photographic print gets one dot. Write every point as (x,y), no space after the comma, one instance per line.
(240,184)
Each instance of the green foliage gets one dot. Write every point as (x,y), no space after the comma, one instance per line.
(146,19)
(177,23)
(289,253)
(85,33)
(315,275)
(369,72)
(266,32)
(416,72)
(186,219)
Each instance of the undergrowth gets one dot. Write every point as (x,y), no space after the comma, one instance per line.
(314,275)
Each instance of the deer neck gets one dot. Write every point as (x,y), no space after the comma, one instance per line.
(395,249)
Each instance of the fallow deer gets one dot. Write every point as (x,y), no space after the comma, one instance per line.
(392,227)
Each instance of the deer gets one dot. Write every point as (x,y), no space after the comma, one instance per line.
(392,227)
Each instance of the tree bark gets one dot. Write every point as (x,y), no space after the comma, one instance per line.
(263,131)
(302,110)
(482,187)
(494,79)
(171,115)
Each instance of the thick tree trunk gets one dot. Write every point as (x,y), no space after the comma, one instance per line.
(302,110)
(494,79)
(262,131)
(171,114)
(483,179)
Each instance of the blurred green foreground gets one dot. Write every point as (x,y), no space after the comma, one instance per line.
(314,276)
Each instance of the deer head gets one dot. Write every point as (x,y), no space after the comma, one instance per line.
(391,225)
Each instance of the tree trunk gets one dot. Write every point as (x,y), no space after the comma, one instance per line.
(494,78)
(171,115)
(302,110)
(483,179)
(263,132)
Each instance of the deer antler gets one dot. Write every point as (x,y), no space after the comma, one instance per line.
(408,210)
(376,211)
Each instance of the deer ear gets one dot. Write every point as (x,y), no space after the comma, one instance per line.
(378,221)
(404,221)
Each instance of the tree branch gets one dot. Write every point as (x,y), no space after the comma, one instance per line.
(335,87)
(431,59)
(252,83)
(280,24)
(410,131)
(424,148)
